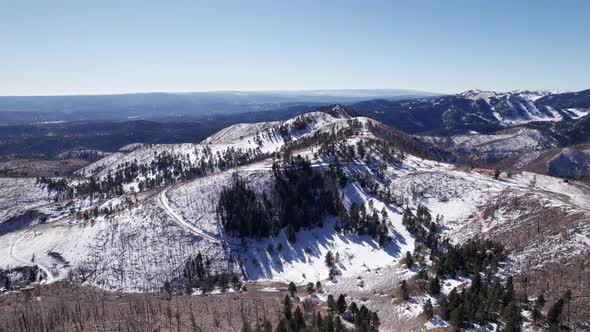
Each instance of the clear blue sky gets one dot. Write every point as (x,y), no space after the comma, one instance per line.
(73,47)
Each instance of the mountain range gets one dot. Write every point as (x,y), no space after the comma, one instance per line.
(432,213)
(368,210)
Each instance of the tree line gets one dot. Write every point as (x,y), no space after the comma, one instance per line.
(164,169)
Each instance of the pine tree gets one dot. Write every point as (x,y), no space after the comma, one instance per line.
(554,315)
(318,287)
(341,304)
(540,301)
(428,309)
(282,326)
(456,316)
(538,307)
(434,286)
(353,308)
(292,289)
(290,233)
(287,307)
(512,317)
(409,260)
(168,290)
(375,322)
(445,308)
(497,173)
(331,304)
(298,318)
(329,259)
(508,292)
(338,326)
(404,290)
(567,298)
(330,325)
(319,322)
(7,282)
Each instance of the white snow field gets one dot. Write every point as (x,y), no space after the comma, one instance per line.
(18,195)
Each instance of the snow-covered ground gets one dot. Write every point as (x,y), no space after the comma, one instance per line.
(498,146)
(18,195)
(145,242)
(570,162)
(257,137)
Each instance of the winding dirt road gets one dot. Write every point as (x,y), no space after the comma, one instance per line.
(165,205)
(49,276)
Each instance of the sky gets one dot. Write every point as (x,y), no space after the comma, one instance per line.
(95,47)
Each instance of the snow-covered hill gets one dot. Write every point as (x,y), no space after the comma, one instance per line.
(491,148)
(570,162)
(255,138)
(19,195)
(517,107)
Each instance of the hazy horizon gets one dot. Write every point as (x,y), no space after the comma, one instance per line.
(297,92)
(302,92)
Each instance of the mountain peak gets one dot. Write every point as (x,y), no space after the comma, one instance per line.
(338,111)
(531,95)
(477,94)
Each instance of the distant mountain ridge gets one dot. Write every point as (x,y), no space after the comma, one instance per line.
(543,131)
(477,110)
(36,109)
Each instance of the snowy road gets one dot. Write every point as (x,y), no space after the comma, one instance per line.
(49,276)
(164,204)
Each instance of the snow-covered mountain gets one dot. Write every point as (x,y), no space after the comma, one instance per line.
(510,130)
(133,219)
(557,149)
(477,110)
(516,107)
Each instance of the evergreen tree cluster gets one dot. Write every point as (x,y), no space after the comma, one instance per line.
(295,320)
(166,168)
(487,299)
(303,194)
(331,143)
(300,123)
(360,221)
(242,213)
(197,274)
(421,226)
(18,276)
(302,198)
(471,258)
(556,314)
